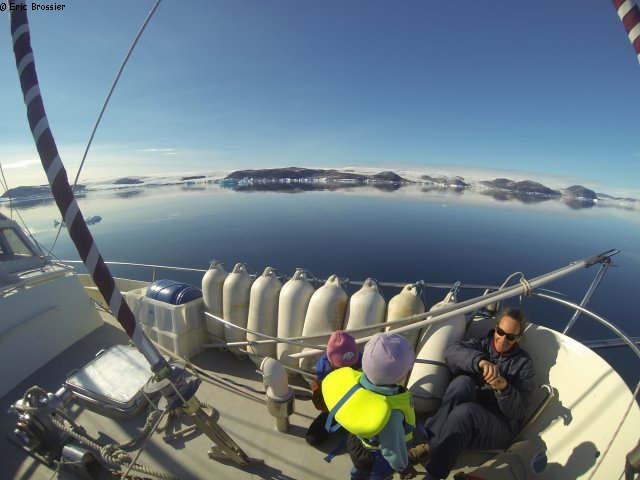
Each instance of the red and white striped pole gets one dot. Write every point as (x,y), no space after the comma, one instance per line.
(63,194)
(629,14)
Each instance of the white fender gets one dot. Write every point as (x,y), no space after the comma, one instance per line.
(325,315)
(405,304)
(430,375)
(292,308)
(263,313)
(366,307)
(235,303)
(212,296)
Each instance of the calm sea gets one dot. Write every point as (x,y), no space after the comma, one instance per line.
(401,236)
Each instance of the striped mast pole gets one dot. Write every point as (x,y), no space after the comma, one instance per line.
(629,14)
(63,193)
(173,382)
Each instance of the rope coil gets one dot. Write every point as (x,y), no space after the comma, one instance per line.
(527,286)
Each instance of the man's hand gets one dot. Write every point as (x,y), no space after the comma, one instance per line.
(419,454)
(408,472)
(491,375)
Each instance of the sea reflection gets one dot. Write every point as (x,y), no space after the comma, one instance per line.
(29,203)
(128,192)
(387,187)
(428,189)
(442,190)
(578,203)
(505,196)
(291,187)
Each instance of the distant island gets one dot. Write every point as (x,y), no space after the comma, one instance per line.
(300,179)
(304,179)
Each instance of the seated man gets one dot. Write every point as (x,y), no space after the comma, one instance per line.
(484,405)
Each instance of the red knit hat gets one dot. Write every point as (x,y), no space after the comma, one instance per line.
(342,349)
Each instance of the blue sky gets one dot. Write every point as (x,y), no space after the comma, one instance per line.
(547,87)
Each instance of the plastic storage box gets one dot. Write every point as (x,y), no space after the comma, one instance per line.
(179,328)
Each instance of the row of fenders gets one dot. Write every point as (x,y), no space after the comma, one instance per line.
(296,308)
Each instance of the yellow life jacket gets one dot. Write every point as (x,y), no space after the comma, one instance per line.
(361,411)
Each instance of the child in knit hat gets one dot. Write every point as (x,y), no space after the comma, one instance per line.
(342,351)
(376,411)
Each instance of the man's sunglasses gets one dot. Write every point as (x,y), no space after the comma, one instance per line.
(510,336)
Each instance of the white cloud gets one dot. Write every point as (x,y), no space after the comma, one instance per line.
(166,151)
(20,164)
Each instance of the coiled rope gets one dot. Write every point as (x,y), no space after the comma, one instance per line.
(113,455)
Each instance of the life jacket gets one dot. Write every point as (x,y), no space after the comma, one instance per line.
(363,412)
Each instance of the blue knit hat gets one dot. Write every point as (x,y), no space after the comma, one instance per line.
(387,358)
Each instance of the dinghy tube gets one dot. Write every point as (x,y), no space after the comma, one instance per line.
(325,314)
(292,309)
(212,283)
(403,305)
(365,307)
(263,313)
(235,305)
(430,375)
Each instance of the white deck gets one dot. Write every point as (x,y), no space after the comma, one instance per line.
(242,414)
(573,428)
(588,410)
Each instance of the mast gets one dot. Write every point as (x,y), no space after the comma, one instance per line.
(629,14)
(174,383)
(63,193)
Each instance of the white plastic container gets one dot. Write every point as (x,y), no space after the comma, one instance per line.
(150,332)
(165,317)
(134,300)
(430,375)
(405,304)
(178,328)
(185,345)
(235,303)
(212,283)
(325,314)
(366,307)
(263,313)
(292,309)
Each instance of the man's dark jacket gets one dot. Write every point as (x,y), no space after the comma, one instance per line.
(515,366)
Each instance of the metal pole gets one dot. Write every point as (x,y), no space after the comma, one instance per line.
(625,338)
(587,297)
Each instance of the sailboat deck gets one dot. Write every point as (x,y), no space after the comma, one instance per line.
(230,385)
(571,433)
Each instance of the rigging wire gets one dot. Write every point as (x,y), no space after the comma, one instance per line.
(4,184)
(106,102)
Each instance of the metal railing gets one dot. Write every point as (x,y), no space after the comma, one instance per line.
(492,292)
